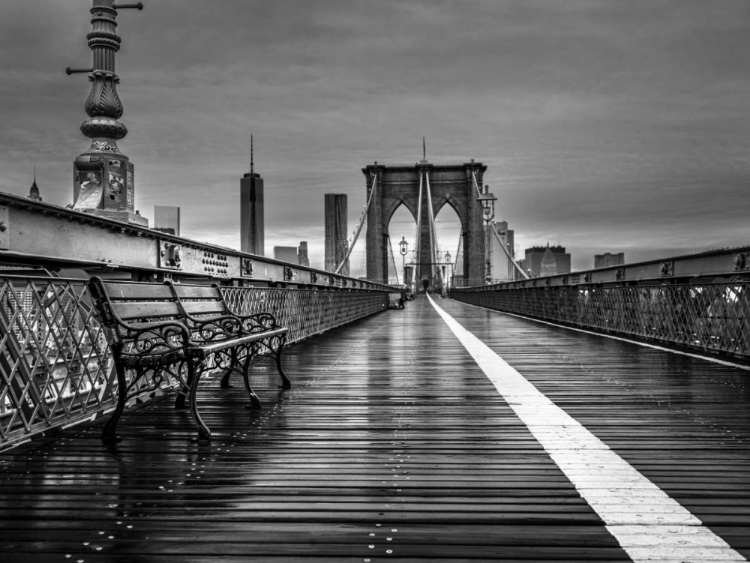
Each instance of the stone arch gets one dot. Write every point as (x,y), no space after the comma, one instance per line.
(399,185)
(457,206)
(395,205)
(445,243)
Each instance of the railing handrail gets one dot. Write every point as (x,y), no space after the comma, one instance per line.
(723,262)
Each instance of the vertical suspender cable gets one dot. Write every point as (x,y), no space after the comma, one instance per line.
(418,261)
(433,239)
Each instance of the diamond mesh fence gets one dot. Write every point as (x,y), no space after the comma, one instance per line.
(704,316)
(56,367)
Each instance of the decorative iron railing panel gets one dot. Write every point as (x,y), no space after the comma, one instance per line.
(705,316)
(56,368)
(306,311)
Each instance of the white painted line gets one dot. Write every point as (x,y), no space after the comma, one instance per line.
(648,523)
(620,338)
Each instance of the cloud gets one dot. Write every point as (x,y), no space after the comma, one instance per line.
(602,123)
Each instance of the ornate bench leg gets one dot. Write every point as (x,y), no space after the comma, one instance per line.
(232,368)
(254,400)
(194,375)
(184,391)
(110,429)
(285,383)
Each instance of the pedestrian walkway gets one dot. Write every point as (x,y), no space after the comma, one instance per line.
(411,436)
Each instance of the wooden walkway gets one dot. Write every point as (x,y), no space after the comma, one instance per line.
(393,445)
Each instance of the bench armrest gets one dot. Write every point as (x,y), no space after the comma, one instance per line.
(214,329)
(151,338)
(258,322)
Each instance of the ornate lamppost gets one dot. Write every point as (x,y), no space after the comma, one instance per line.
(103,177)
(403,249)
(487,199)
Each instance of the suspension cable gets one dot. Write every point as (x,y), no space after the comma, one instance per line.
(361,224)
(476,185)
(507,252)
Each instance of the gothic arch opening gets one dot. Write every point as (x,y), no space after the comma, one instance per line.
(401,226)
(449,229)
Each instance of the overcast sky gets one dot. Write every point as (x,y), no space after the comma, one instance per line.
(617,125)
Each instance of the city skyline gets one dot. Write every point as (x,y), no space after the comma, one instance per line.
(605,126)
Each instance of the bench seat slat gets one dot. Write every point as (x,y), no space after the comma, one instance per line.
(138,292)
(146,310)
(236,341)
(204,307)
(195,292)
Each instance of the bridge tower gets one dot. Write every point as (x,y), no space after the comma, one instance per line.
(424,189)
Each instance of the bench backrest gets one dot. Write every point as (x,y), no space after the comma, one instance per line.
(199,300)
(139,302)
(144,301)
(134,302)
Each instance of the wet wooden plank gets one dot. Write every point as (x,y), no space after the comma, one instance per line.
(388,427)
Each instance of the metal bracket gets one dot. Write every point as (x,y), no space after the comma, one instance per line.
(4,229)
(667,269)
(247,267)
(170,256)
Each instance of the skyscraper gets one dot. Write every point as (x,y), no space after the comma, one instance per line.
(286,254)
(547,261)
(34,191)
(167,219)
(501,265)
(304,259)
(292,254)
(608,259)
(252,238)
(335,232)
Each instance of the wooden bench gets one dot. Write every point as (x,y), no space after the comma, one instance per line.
(179,331)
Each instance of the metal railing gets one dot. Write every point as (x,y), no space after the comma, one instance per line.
(56,368)
(705,316)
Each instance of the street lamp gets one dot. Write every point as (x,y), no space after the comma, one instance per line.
(403,248)
(487,200)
